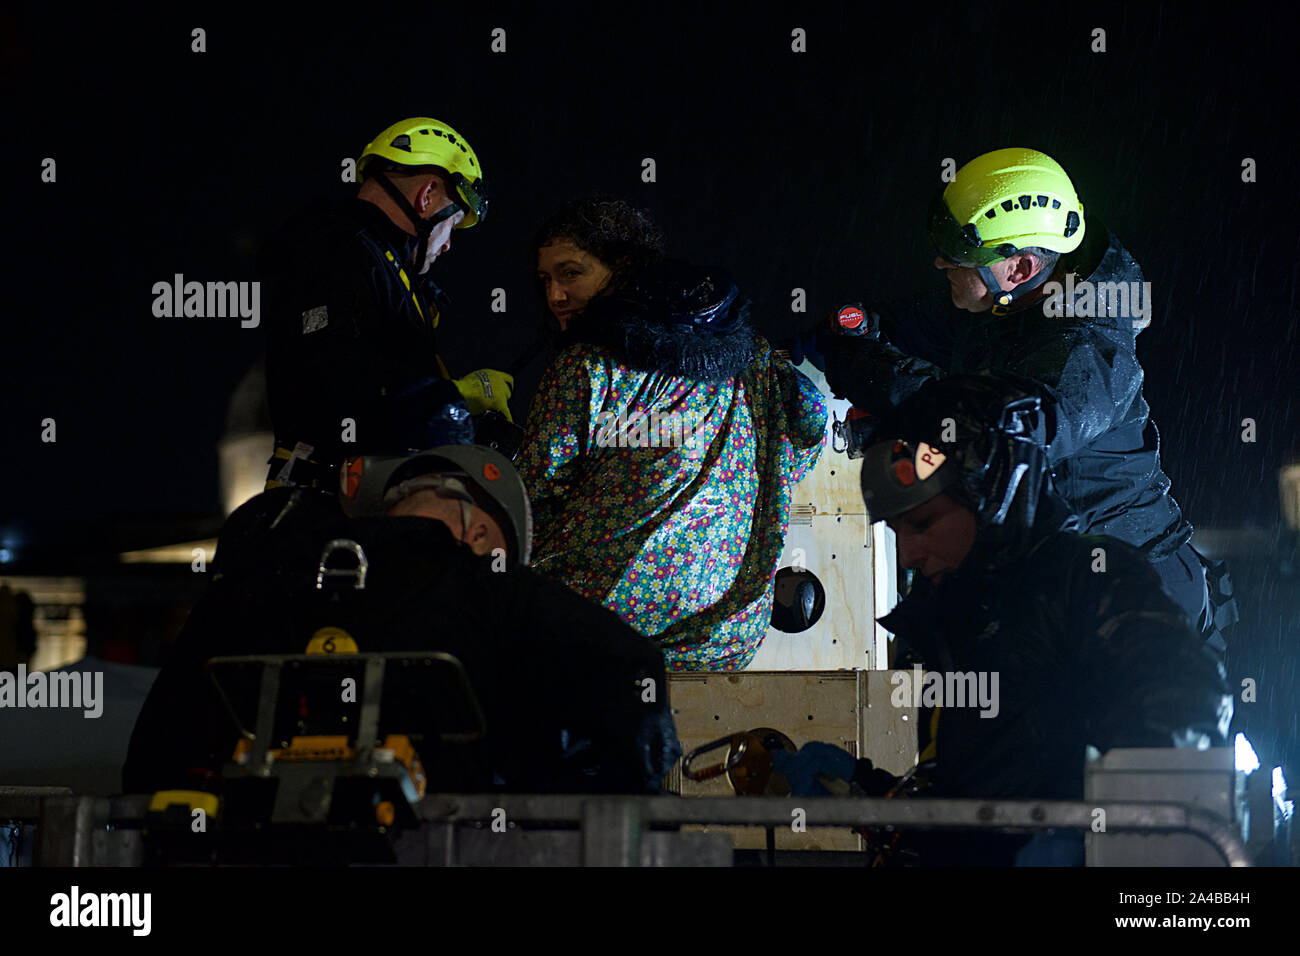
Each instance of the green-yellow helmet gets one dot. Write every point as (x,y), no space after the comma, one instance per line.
(1003,201)
(423,141)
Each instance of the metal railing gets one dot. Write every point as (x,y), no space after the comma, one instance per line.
(612,826)
(619,831)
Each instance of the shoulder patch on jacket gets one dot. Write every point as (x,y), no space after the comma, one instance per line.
(313,320)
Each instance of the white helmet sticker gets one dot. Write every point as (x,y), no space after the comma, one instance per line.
(928,460)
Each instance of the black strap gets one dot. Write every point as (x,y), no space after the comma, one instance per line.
(986,274)
(444,213)
(423,227)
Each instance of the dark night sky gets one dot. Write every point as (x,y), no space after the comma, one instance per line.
(809,170)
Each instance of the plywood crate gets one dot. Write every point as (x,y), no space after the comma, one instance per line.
(830,536)
(837,549)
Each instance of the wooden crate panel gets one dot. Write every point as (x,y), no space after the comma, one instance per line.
(886,734)
(802,706)
(851,709)
(837,549)
(833,486)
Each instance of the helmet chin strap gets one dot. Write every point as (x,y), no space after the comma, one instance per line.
(423,227)
(1003,299)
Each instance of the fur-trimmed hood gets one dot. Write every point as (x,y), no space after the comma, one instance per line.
(673,318)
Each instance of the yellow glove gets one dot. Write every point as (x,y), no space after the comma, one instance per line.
(487,390)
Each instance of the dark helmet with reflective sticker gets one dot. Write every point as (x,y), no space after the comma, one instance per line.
(898,475)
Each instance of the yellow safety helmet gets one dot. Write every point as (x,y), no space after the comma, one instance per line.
(423,141)
(1004,201)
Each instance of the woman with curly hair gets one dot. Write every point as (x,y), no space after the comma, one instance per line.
(664,439)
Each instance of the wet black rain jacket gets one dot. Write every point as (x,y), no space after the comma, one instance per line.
(347,338)
(1102,450)
(1084,656)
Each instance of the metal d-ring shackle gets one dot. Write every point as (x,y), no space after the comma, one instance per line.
(748,762)
(357,574)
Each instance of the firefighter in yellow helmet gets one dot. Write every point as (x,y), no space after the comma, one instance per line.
(1058,304)
(352,356)
(1001,226)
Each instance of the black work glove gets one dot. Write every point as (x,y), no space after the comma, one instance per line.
(873,781)
(808,346)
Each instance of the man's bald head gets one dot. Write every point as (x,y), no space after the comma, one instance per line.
(482,534)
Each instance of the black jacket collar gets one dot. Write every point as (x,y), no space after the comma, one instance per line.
(376,221)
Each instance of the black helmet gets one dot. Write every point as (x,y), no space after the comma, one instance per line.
(898,475)
(994,464)
(370,485)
